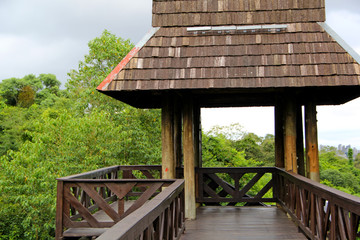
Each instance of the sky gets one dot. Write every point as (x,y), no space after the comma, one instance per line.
(42,36)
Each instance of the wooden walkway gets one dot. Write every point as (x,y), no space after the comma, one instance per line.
(227,223)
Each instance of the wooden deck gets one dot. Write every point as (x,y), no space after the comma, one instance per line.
(241,223)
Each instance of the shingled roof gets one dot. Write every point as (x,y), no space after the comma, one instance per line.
(237,53)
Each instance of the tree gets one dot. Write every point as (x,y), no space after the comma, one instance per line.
(350,156)
(105,52)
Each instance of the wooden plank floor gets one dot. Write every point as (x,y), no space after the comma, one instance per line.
(227,223)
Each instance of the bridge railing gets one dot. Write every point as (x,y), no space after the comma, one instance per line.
(320,211)
(81,197)
(161,218)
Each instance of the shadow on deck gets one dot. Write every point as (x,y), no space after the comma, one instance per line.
(228,223)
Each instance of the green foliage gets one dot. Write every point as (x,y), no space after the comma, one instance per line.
(350,156)
(336,172)
(55,133)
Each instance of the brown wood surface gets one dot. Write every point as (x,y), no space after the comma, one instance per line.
(240,223)
(312,150)
(290,135)
(279,134)
(189,159)
(167,139)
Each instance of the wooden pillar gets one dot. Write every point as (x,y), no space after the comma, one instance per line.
(178,133)
(290,135)
(300,141)
(312,151)
(189,159)
(279,135)
(197,135)
(167,138)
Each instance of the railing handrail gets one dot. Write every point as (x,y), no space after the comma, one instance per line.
(342,199)
(131,226)
(91,174)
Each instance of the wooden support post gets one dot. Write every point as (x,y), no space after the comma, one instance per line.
(312,151)
(290,136)
(189,159)
(279,136)
(300,141)
(197,135)
(167,137)
(178,134)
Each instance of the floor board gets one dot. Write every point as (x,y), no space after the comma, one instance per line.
(227,223)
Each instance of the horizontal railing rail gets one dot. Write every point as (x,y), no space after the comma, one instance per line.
(161,218)
(320,211)
(231,186)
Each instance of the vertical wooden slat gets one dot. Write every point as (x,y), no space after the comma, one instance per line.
(189,159)
(290,135)
(312,151)
(167,136)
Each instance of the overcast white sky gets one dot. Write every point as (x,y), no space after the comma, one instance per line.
(42,36)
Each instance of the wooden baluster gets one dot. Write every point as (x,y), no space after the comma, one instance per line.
(320,217)
(312,214)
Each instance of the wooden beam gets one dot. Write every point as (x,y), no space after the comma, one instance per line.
(167,138)
(279,135)
(300,141)
(312,151)
(189,159)
(290,135)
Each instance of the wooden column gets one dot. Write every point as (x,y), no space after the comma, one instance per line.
(178,134)
(300,141)
(167,137)
(290,135)
(197,135)
(312,151)
(189,159)
(279,135)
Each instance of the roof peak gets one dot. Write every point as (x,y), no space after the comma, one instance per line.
(235,12)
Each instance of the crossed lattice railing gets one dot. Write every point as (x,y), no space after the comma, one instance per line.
(233,186)
(92,203)
(81,197)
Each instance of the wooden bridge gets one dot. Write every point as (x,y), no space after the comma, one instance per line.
(131,202)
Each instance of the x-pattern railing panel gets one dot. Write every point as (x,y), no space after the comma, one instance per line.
(222,185)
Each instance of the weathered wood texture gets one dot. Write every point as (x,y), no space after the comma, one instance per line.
(290,137)
(161,218)
(231,186)
(168,138)
(279,134)
(223,12)
(229,223)
(189,158)
(81,196)
(320,211)
(302,55)
(312,150)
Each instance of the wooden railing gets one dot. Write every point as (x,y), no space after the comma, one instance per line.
(157,212)
(233,186)
(161,218)
(81,197)
(320,211)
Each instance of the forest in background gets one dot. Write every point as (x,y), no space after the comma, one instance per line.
(48,132)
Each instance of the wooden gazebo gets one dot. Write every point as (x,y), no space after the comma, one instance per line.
(227,53)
